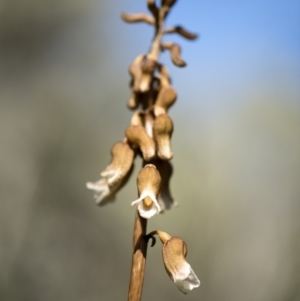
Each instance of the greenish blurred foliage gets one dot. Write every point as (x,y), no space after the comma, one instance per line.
(63,93)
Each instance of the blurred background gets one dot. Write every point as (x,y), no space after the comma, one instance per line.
(63,94)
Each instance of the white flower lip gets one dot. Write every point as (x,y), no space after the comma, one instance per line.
(179,270)
(185,278)
(115,175)
(146,211)
(148,184)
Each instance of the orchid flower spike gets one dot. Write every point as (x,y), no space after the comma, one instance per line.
(174,251)
(148,183)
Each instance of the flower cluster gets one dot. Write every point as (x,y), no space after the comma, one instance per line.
(149,136)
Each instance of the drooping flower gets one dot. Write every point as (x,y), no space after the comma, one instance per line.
(138,136)
(115,175)
(148,183)
(162,133)
(174,252)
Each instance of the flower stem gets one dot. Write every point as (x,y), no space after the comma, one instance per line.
(140,224)
(138,258)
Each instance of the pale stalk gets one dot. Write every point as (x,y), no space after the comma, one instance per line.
(140,224)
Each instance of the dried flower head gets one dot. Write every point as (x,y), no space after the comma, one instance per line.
(148,183)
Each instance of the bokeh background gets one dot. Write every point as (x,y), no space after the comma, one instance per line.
(63,94)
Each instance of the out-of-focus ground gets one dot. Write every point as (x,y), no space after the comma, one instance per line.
(63,94)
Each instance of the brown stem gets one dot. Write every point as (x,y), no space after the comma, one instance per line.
(138,258)
(140,224)
(155,48)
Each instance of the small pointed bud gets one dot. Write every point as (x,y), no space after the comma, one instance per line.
(140,17)
(175,51)
(138,136)
(148,183)
(182,31)
(162,133)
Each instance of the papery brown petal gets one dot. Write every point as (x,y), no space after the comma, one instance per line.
(116,188)
(174,253)
(148,68)
(138,136)
(162,132)
(121,162)
(149,179)
(135,70)
(140,17)
(182,31)
(165,99)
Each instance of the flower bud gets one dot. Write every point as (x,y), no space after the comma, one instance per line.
(182,31)
(148,184)
(137,135)
(162,132)
(175,51)
(140,17)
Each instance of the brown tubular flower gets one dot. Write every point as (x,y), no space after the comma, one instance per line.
(162,133)
(174,252)
(148,183)
(137,136)
(116,173)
